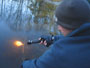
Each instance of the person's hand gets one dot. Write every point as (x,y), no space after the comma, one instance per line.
(43,42)
(46,40)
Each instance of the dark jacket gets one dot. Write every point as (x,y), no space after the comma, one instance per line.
(72,51)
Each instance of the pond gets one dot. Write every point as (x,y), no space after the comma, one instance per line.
(23,20)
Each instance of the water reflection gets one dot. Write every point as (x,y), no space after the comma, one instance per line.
(25,14)
(23,20)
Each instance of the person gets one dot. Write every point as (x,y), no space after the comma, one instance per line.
(73,49)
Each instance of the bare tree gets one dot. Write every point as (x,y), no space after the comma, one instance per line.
(1,7)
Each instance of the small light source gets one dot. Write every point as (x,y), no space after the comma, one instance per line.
(18,43)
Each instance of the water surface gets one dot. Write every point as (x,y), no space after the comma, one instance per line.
(23,20)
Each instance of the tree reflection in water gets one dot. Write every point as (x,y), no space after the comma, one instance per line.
(29,14)
(26,19)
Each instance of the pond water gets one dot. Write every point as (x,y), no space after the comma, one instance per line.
(23,20)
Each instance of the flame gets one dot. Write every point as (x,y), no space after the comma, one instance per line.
(18,43)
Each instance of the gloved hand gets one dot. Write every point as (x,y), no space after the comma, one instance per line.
(46,40)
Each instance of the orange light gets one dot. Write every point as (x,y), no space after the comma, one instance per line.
(18,43)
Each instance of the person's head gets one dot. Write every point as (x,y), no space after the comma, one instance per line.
(71,14)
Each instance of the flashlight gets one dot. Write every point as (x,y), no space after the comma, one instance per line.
(35,41)
(41,39)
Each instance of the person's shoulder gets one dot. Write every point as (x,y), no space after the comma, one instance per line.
(62,41)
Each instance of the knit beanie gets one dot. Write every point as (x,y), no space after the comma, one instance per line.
(71,14)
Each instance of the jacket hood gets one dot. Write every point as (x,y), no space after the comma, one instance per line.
(84,30)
